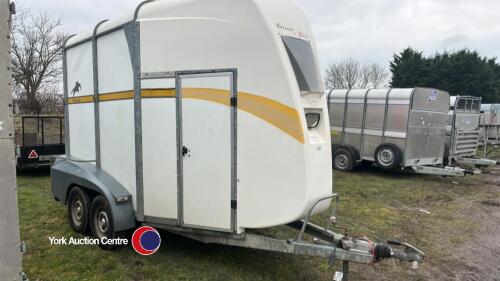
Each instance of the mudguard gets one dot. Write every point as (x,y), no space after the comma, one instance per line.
(66,174)
(353,150)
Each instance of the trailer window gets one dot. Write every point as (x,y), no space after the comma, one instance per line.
(475,105)
(461,105)
(304,64)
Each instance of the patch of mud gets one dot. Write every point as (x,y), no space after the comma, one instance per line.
(481,257)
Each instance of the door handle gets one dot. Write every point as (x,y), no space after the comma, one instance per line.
(185,151)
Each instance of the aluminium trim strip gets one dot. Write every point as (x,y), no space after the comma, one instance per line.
(95,74)
(66,105)
(371,132)
(395,134)
(180,195)
(353,130)
(132,34)
(234,150)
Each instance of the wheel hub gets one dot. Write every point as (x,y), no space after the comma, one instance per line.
(386,156)
(77,211)
(342,161)
(102,222)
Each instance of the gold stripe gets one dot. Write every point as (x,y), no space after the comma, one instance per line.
(158,93)
(126,95)
(146,93)
(213,95)
(275,113)
(82,99)
(279,115)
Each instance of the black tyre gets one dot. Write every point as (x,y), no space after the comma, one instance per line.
(446,155)
(79,209)
(343,160)
(388,156)
(101,222)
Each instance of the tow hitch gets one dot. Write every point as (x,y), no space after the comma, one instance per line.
(316,241)
(355,247)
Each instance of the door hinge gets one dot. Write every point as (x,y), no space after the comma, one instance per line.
(234,101)
(234,204)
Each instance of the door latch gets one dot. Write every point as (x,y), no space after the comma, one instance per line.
(185,151)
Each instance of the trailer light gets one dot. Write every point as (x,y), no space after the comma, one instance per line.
(313,120)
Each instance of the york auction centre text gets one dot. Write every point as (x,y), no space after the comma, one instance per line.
(87,241)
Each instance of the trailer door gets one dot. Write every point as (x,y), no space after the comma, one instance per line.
(206,118)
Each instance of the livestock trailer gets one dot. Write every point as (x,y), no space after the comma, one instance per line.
(391,127)
(490,124)
(206,119)
(463,131)
(39,139)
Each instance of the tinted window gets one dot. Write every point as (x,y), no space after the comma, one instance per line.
(304,64)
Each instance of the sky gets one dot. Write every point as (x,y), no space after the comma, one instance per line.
(366,30)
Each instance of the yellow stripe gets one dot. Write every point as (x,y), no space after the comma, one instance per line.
(213,95)
(158,93)
(147,93)
(275,113)
(126,95)
(83,99)
(279,115)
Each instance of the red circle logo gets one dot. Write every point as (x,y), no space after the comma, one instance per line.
(146,240)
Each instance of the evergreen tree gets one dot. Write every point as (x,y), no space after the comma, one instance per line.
(408,68)
(463,72)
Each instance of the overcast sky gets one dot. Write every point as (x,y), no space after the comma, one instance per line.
(368,30)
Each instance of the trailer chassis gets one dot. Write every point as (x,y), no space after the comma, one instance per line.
(483,162)
(448,171)
(324,243)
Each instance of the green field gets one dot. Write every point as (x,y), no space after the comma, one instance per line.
(380,205)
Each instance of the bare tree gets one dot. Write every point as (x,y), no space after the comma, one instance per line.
(379,76)
(345,74)
(349,74)
(36,58)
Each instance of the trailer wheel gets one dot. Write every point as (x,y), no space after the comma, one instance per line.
(78,209)
(101,222)
(343,160)
(388,156)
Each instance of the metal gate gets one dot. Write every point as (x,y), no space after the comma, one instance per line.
(42,130)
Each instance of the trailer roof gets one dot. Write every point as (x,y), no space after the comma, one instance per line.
(453,99)
(490,107)
(373,94)
(102,27)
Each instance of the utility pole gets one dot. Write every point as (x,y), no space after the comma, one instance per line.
(10,242)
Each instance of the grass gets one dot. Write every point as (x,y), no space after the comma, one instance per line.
(377,204)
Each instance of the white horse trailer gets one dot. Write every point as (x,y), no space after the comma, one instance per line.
(394,128)
(204,118)
(463,132)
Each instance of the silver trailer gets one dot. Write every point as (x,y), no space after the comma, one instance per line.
(490,124)
(395,128)
(463,132)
